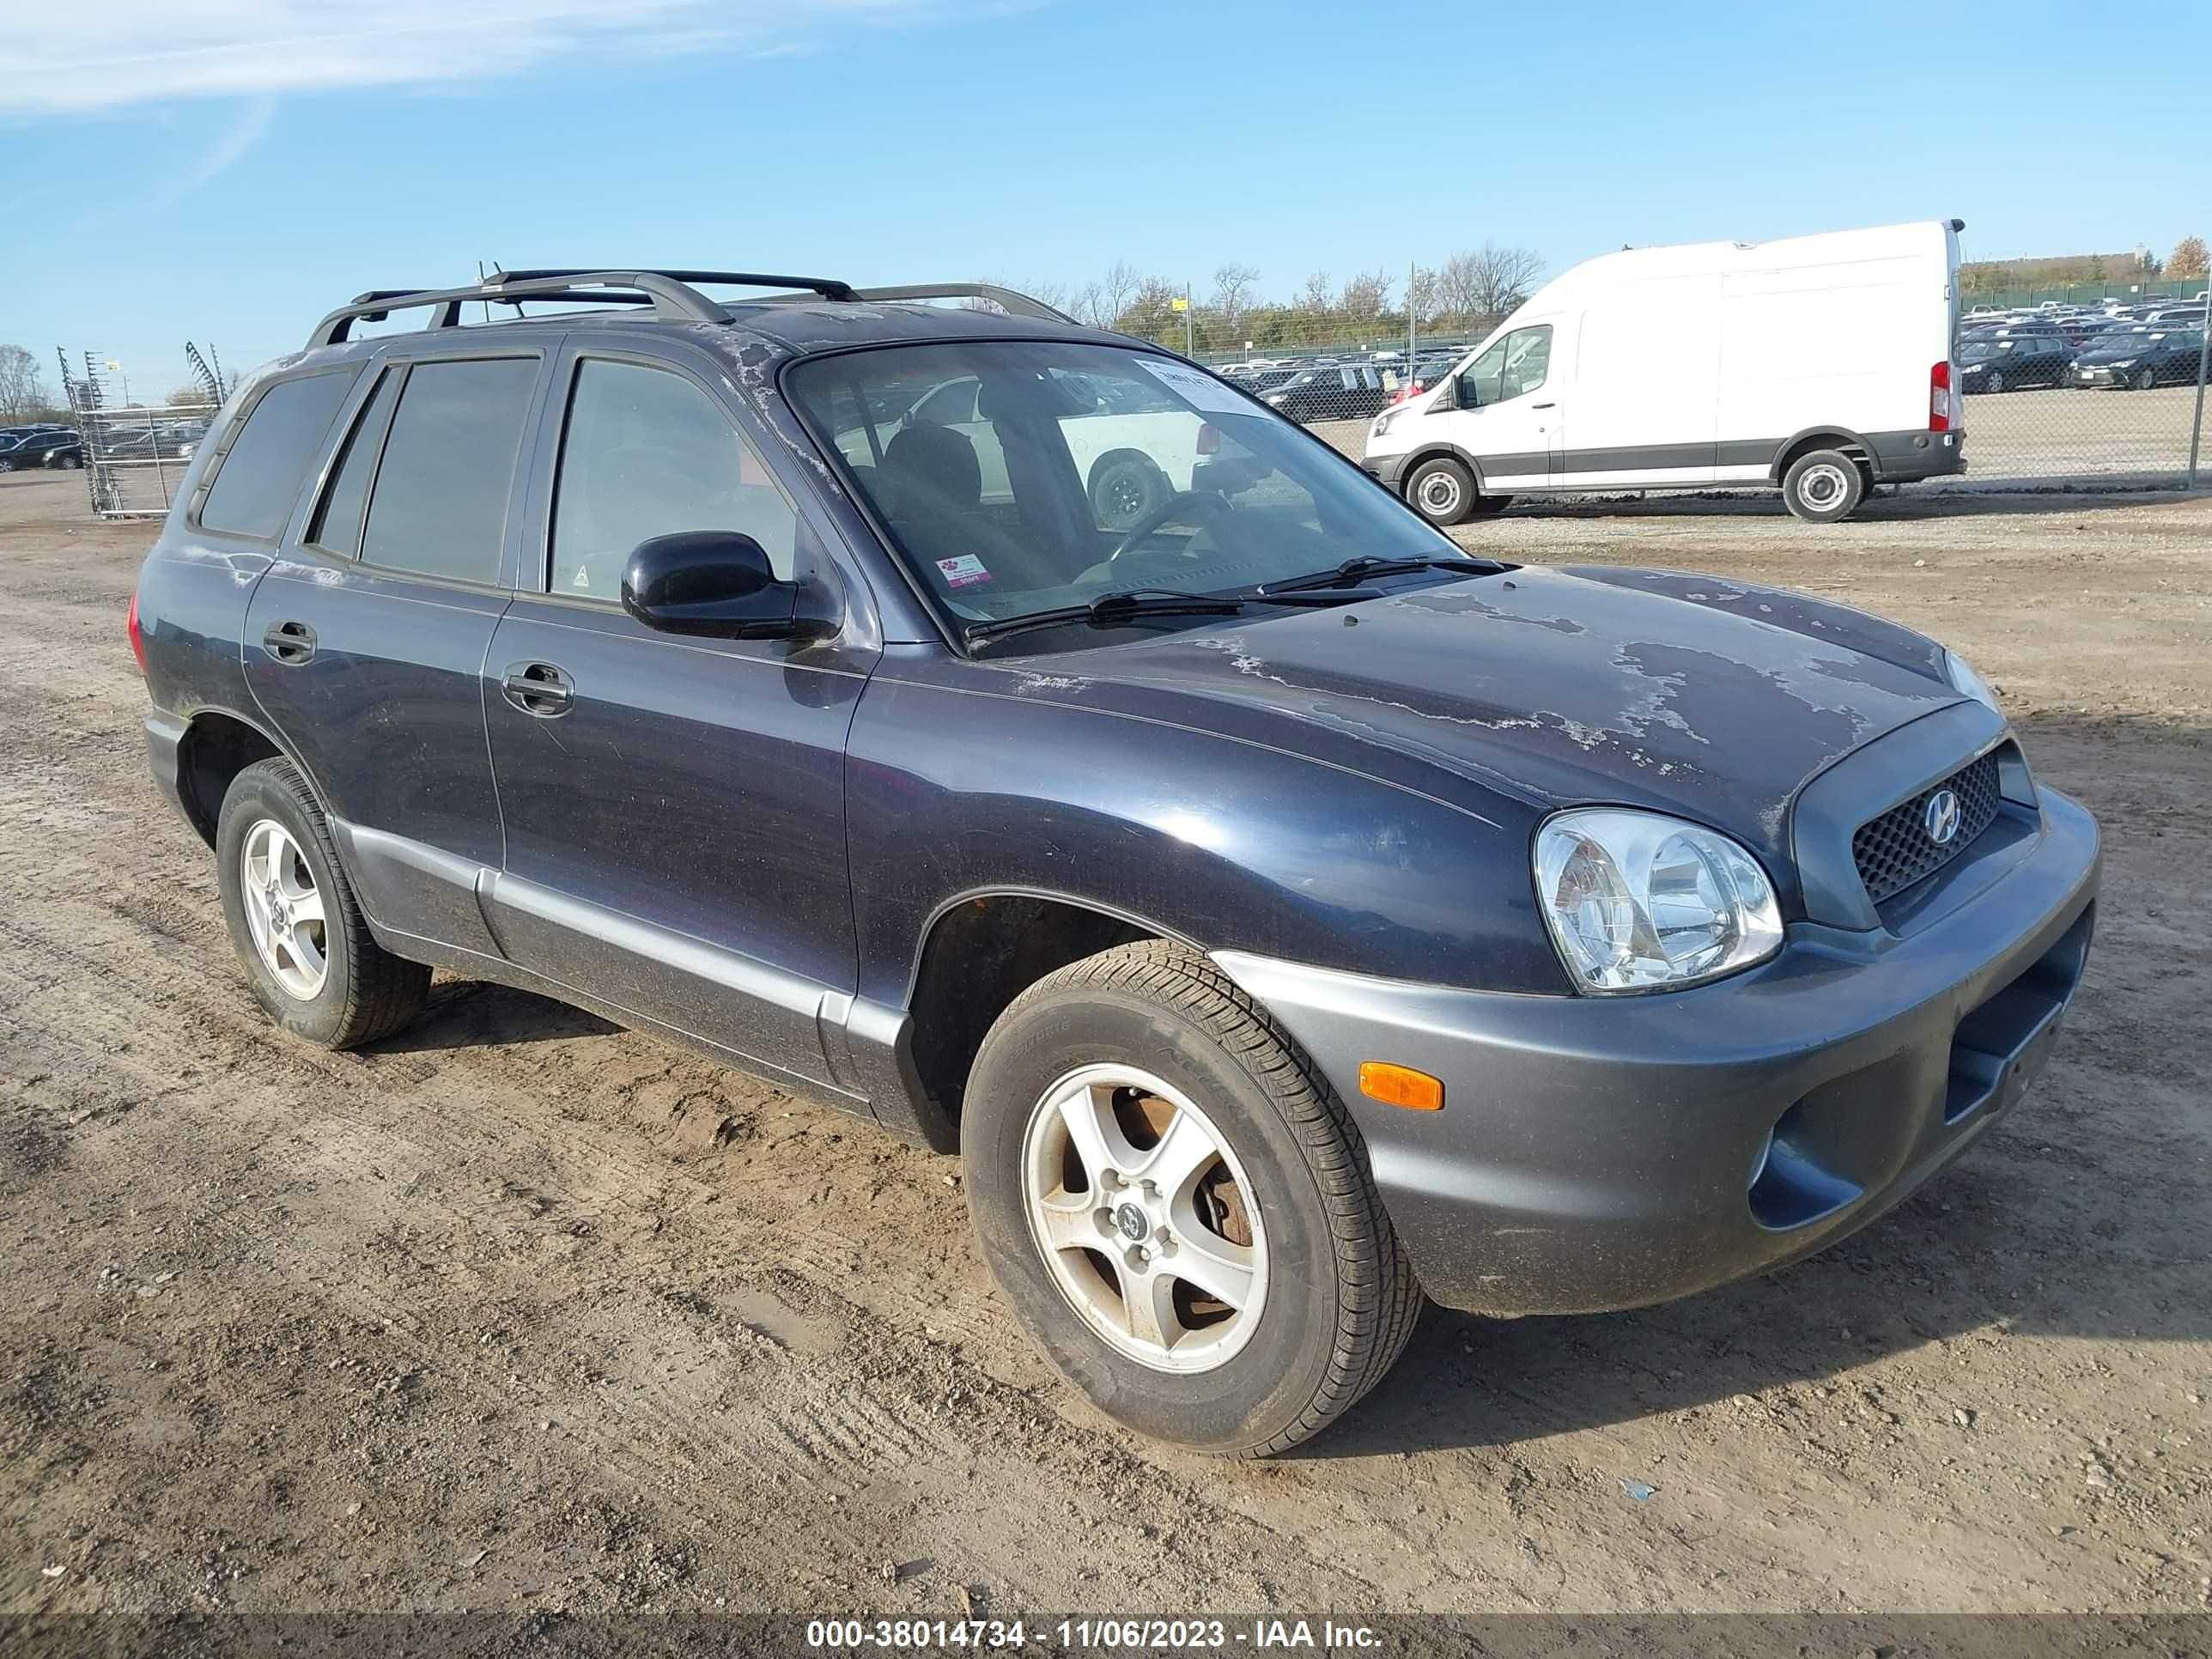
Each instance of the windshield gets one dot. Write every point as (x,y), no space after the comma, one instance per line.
(2118,340)
(1020,477)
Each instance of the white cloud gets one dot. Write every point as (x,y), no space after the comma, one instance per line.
(60,59)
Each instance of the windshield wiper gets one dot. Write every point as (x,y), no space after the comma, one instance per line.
(1111,611)
(1363,569)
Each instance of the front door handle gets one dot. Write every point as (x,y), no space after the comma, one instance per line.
(287,642)
(542,688)
(1543,405)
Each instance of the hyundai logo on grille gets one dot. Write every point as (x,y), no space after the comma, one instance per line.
(1942,817)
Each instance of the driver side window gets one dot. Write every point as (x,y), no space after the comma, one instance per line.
(646,453)
(1514,364)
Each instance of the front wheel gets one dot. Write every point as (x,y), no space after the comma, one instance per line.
(1443,491)
(1178,1207)
(1997,379)
(2146,379)
(1823,485)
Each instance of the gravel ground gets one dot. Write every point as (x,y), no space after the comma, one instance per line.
(519,1310)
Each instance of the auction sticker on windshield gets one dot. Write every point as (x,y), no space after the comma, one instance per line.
(1196,387)
(965,571)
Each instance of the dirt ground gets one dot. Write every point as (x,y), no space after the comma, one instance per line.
(520,1310)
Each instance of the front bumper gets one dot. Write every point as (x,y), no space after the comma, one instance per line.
(1389,471)
(1596,1152)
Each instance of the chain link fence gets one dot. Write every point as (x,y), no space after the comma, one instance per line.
(134,455)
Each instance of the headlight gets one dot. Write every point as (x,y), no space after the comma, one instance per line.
(1640,902)
(1382,421)
(1271,397)
(2121,362)
(1968,684)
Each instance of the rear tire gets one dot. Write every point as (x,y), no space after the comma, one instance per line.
(1823,485)
(1090,1187)
(325,979)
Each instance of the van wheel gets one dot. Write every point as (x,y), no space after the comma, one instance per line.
(1174,1200)
(1443,491)
(1823,485)
(295,921)
(1124,489)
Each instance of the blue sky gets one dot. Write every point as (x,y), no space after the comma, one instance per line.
(226,170)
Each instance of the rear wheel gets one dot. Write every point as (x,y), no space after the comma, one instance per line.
(1823,485)
(1178,1207)
(294,920)
(1443,491)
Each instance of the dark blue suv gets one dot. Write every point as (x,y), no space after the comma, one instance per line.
(1009,733)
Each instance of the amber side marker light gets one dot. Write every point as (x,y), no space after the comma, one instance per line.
(1400,1086)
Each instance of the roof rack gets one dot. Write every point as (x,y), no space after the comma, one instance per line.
(1007,300)
(669,292)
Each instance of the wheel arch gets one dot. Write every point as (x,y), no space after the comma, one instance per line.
(1824,437)
(1439,449)
(979,950)
(217,744)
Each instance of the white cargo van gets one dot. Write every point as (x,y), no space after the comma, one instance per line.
(1820,364)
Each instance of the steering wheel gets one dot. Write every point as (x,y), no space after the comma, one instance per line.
(1160,514)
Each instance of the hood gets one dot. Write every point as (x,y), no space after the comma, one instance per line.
(1689,694)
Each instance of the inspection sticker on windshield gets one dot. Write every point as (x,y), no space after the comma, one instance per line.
(1195,386)
(965,571)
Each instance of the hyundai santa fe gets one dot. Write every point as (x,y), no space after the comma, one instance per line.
(1009,733)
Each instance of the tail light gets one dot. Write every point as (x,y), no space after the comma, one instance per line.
(1209,439)
(1942,409)
(137,635)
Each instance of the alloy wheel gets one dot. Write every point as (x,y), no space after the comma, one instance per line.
(1145,1217)
(284,910)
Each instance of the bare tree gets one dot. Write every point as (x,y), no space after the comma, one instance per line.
(1317,292)
(1503,278)
(1120,286)
(1367,296)
(1456,285)
(1424,294)
(1089,305)
(1232,292)
(22,390)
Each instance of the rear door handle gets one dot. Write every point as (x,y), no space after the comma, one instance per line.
(1543,405)
(289,642)
(542,688)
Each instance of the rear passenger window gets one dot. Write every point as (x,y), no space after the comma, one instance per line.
(259,476)
(647,453)
(337,526)
(439,505)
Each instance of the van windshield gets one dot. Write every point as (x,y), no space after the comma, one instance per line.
(1015,477)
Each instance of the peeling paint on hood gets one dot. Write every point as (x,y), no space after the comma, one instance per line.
(1559,687)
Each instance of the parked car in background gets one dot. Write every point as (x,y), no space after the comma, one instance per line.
(1281,911)
(40,446)
(1343,392)
(2139,361)
(2010,362)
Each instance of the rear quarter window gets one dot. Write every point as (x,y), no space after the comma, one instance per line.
(260,473)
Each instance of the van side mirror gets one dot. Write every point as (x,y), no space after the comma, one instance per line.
(717,583)
(1459,393)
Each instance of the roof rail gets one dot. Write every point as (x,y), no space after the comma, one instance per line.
(1007,300)
(670,294)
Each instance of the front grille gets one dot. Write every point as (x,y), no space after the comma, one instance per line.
(1893,851)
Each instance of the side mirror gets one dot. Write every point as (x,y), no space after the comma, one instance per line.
(717,583)
(1462,392)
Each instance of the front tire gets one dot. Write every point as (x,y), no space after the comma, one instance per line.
(295,921)
(1443,491)
(2146,379)
(1823,486)
(1178,1207)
